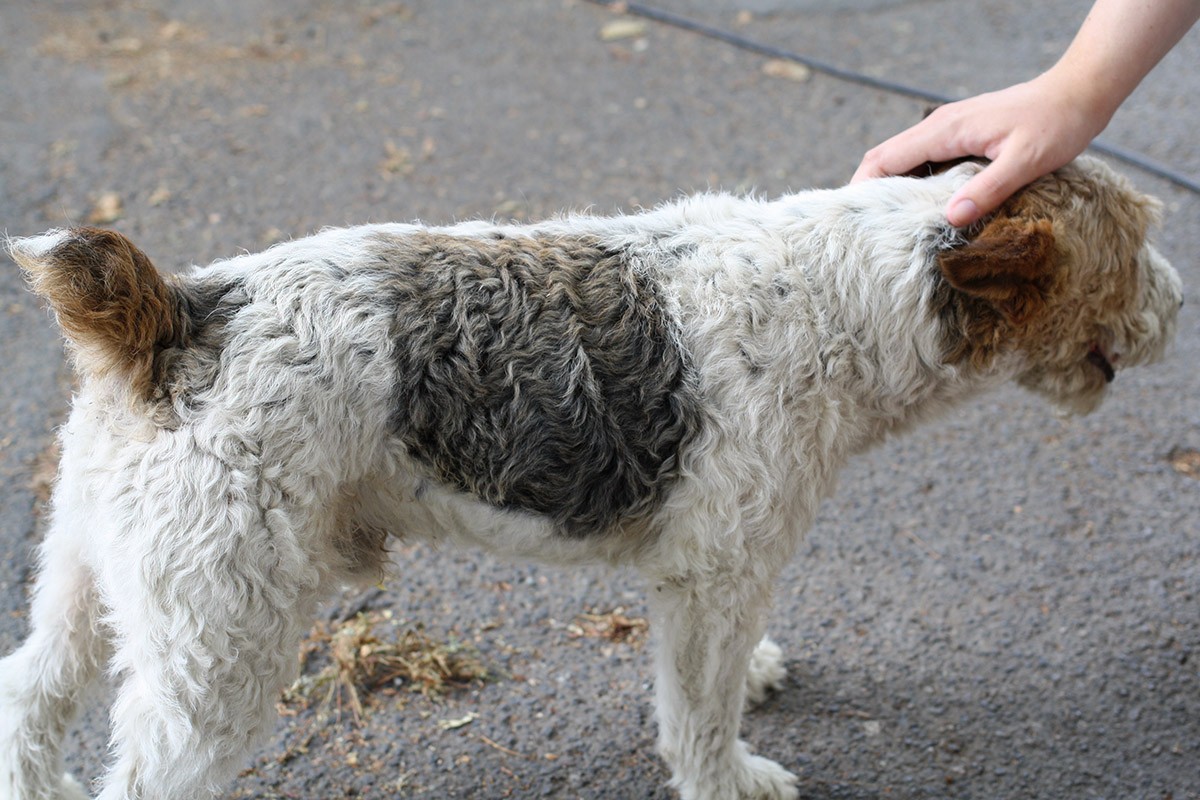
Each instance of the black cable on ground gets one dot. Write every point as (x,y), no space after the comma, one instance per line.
(1135,159)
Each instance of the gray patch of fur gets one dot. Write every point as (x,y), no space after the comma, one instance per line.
(183,371)
(540,374)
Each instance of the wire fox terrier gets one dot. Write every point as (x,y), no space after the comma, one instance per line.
(675,390)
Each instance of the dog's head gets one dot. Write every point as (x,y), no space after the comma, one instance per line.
(1063,279)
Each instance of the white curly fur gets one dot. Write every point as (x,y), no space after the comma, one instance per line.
(188,557)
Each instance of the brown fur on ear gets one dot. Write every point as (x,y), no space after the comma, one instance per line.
(110,301)
(1010,264)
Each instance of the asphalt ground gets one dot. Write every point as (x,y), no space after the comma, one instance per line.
(1001,605)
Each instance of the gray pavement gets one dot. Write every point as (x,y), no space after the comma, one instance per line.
(1002,605)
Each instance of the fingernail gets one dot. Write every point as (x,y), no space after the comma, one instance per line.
(962,211)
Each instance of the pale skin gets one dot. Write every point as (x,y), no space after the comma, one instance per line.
(1032,128)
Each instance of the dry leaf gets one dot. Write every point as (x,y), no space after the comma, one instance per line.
(452,724)
(108,208)
(1185,461)
(171,30)
(622,29)
(398,161)
(788,70)
(160,195)
(272,236)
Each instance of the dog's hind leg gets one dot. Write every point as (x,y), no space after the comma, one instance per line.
(197,694)
(708,626)
(206,629)
(41,682)
(183,732)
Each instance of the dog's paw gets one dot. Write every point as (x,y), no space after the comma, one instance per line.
(766,780)
(750,778)
(70,789)
(766,672)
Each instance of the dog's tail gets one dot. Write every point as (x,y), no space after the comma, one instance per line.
(112,304)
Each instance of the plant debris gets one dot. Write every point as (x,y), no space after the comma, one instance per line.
(786,69)
(398,160)
(107,209)
(361,662)
(615,626)
(453,724)
(622,29)
(1185,461)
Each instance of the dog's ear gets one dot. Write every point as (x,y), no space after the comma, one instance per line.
(1009,264)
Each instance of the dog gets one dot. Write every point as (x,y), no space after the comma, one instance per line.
(674,389)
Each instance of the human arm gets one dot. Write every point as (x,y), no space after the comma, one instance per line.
(1031,128)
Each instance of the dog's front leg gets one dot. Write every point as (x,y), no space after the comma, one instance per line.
(707,628)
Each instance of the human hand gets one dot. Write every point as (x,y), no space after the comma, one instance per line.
(1026,130)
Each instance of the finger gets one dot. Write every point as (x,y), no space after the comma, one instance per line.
(896,156)
(984,193)
(933,139)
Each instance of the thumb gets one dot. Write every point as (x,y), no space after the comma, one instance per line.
(984,193)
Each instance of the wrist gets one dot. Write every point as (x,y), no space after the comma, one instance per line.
(1088,95)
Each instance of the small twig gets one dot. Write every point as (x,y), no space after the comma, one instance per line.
(934,554)
(500,747)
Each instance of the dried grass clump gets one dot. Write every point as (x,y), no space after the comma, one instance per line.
(358,662)
(615,626)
